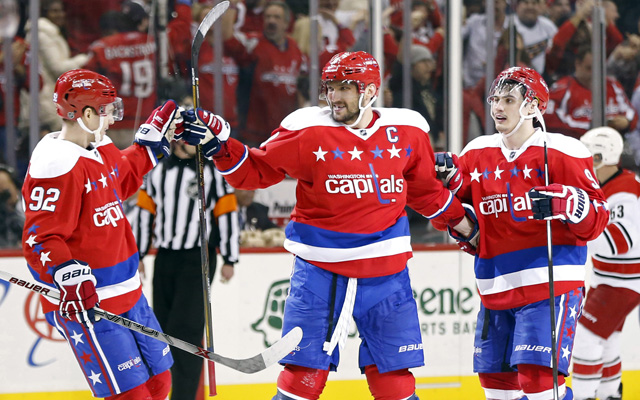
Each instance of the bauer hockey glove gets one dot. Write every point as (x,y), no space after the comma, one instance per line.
(448,172)
(162,125)
(467,244)
(207,129)
(557,201)
(77,287)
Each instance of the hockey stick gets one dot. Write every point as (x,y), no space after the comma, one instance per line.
(247,365)
(208,21)
(552,297)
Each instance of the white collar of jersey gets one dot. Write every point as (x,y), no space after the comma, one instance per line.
(511,155)
(53,157)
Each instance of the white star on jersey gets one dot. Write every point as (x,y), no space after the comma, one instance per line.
(394,152)
(320,154)
(573,311)
(31,241)
(498,172)
(77,337)
(475,175)
(103,179)
(355,153)
(88,185)
(527,171)
(44,257)
(95,377)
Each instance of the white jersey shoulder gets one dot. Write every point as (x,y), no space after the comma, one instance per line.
(565,144)
(315,116)
(54,157)
(402,117)
(307,117)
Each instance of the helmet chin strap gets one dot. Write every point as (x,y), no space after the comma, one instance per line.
(523,117)
(362,108)
(96,133)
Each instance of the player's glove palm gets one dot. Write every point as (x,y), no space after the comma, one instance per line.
(557,201)
(447,171)
(77,287)
(163,125)
(468,244)
(205,128)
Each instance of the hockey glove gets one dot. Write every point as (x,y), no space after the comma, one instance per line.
(467,244)
(557,201)
(207,129)
(448,172)
(160,128)
(77,287)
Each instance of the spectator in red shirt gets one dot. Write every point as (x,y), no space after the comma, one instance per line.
(271,64)
(570,109)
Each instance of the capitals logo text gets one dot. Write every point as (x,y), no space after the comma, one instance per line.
(359,184)
(502,202)
(109,214)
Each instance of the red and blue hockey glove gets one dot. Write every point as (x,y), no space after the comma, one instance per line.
(448,172)
(207,129)
(468,244)
(557,201)
(164,123)
(77,287)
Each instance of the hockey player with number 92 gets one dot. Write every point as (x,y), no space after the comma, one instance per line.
(503,178)
(78,241)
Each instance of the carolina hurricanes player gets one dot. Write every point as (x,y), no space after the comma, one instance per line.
(77,240)
(357,167)
(615,280)
(503,173)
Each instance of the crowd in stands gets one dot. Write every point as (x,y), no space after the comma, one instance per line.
(266,54)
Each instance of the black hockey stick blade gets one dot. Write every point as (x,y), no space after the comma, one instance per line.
(211,17)
(247,365)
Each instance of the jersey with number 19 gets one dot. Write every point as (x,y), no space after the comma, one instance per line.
(512,261)
(128,59)
(353,186)
(73,208)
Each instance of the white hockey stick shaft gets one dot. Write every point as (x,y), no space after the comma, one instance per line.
(248,365)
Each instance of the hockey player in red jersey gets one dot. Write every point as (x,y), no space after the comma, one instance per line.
(504,179)
(357,167)
(615,280)
(77,239)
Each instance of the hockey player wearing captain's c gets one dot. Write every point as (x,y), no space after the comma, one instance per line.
(356,169)
(76,238)
(504,180)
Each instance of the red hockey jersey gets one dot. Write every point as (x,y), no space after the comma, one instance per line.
(73,208)
(352,186)
(512,261)
(129,61)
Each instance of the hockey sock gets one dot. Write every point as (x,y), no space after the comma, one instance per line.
(501,385)
(302,382)
(160,385)
(140,392)
(537,382)
(393,385)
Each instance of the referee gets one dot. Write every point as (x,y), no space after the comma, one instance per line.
(169,216)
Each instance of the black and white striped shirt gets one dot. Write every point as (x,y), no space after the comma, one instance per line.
(168,209)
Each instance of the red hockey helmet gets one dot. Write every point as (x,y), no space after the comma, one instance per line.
(534,84)
(80,88)
(359,67)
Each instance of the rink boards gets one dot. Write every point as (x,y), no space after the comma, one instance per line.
(247,316)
